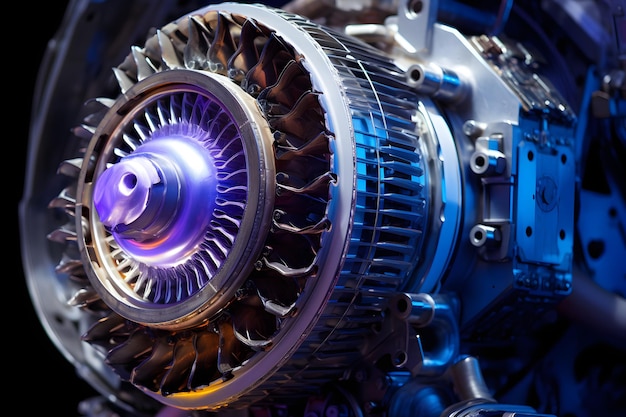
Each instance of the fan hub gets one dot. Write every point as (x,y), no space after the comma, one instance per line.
(158,200)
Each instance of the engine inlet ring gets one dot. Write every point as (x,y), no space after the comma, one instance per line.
(132,274)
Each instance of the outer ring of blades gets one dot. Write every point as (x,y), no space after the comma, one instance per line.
(153,371)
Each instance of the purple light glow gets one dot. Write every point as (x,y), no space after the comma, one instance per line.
(158,201)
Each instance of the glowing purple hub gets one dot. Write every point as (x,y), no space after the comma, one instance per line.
(158,201)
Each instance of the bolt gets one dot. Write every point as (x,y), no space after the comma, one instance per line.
(473,129)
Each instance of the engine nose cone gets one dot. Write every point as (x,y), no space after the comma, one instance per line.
(158,200)
(121,194)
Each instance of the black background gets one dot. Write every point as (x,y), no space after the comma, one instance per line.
(45,382)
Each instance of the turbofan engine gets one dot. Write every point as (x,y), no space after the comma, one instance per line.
(281,211)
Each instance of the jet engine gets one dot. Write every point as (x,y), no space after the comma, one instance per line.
(333,209)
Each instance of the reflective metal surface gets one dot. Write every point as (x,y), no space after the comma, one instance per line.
(374,208)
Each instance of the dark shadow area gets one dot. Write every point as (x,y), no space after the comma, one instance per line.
(41,371)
